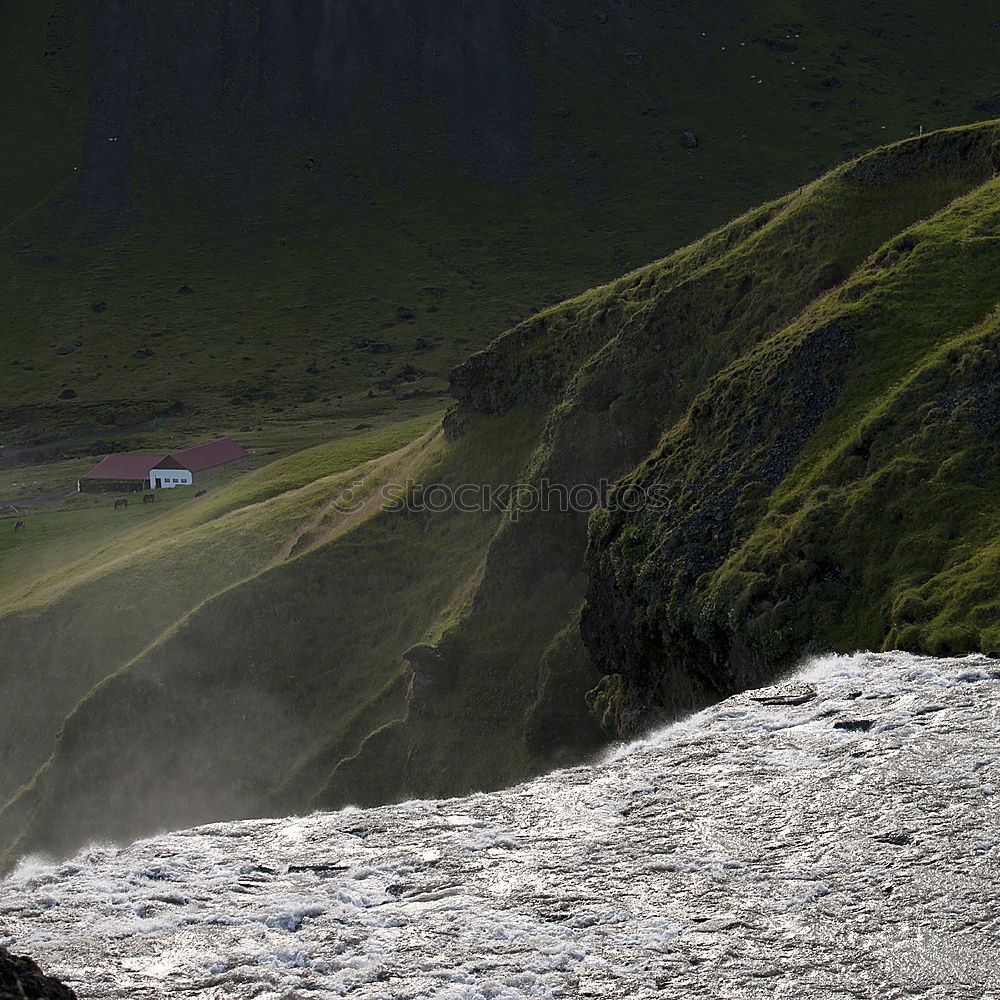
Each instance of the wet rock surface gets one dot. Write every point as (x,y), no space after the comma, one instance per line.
(753,849)
(22,979)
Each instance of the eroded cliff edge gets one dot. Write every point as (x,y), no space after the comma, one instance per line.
(835,488)
(813,389)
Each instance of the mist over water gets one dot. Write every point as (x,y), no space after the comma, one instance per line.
(845,845)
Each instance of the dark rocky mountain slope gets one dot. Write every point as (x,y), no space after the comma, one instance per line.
(320,176)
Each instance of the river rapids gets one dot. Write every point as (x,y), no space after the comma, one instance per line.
(835,836)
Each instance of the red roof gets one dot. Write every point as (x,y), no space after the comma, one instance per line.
(124,467)
(204,456)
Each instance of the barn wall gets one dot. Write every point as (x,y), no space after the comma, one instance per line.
(182,474)
(113,485)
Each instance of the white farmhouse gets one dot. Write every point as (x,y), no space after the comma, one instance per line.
(183,468)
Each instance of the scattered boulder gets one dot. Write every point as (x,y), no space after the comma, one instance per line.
(65,350)
(362,427)
(68,394)
(372,346)
(789,694)
(143,353)
(22,979)
(406,374)
(312,369)
(431,676)
(309,397)
(185,290)
(854,725)
(98,307)
(422,344)
(402,313)
(689,140)
(632,58)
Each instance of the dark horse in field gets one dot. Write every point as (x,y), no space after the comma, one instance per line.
(148,497)
(19,526)
(120,503)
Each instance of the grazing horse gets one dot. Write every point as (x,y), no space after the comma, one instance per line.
(148,497)
(19,526)
(121,503)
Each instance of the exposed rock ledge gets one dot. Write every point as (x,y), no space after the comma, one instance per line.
(22,979)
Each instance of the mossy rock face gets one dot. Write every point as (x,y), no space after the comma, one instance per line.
(559,723)
(835,488)
(432,676)
(605,702)
(626,364)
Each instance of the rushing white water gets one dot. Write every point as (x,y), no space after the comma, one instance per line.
(845,846)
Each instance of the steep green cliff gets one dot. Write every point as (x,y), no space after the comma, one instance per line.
(834,488)
(660,353)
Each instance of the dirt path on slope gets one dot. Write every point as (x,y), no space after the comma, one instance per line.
(412,453)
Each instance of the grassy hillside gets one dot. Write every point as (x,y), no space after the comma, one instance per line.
(266,652)
(266,247)
(137,574)
(808,385)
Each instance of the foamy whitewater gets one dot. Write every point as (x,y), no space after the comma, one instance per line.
(845,846)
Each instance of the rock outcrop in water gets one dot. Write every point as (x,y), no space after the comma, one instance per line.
(22,979)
